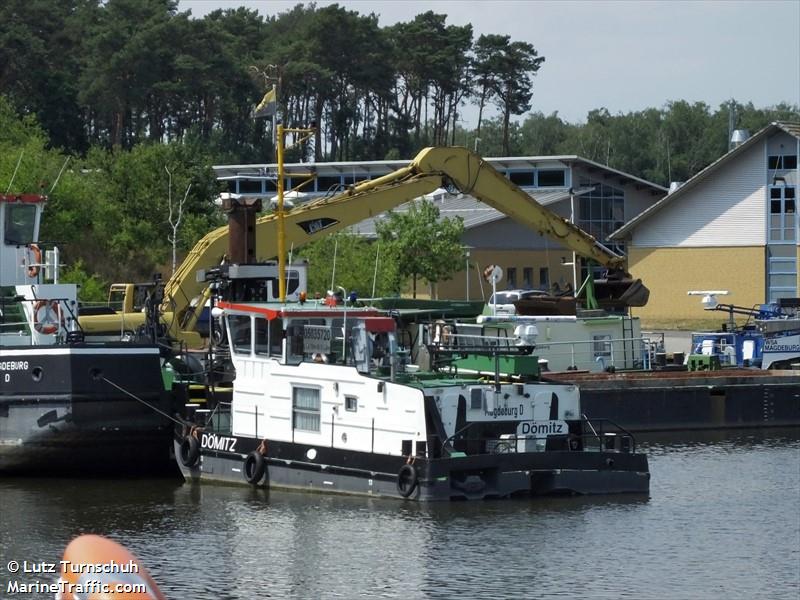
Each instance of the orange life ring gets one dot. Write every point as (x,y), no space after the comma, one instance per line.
(47,316)
(33,268)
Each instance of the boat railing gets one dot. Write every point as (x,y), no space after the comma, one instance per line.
(720,344)
(616,353)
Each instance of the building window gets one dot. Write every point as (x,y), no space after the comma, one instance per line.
(327,183)
(552,177)
(351,403)
(511,273)
(527,277)
(544,278)
(521,178)
(306,409)
(249,186)
(601,211)
(782,209)
(782,163)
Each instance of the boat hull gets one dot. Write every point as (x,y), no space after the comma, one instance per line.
(332,470)
(83,410)
(680,400)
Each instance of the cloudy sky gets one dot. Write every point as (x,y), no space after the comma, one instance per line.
(623,56)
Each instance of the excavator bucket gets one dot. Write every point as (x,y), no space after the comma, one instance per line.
(620,292)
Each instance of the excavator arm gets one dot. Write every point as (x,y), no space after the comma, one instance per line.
(448,167)
(431,169)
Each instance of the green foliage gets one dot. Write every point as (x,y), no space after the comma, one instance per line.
(423,245)
(91,288)
(355,266)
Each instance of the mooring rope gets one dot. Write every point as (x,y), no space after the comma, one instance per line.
(147,404)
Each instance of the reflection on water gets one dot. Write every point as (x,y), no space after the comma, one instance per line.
(722,521)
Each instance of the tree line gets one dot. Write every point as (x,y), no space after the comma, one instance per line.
(128,102)
(121,72)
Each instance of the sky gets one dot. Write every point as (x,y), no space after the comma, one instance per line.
(623,56)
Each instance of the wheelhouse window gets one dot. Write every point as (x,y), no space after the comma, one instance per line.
(20,222)
(351,403)
(239,330)
(306,409)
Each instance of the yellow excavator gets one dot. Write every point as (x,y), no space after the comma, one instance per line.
(441,167)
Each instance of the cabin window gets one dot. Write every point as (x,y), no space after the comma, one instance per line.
(20,221)
(476,399)
(351,403)
(306,409)
(240,330)
(602,346)
(292,281)
(262,336)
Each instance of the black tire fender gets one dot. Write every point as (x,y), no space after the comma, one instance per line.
(254,467)
(190,451)
(407,480)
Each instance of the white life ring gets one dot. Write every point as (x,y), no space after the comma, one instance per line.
(47,316)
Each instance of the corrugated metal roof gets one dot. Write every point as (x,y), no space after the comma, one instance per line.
(377,168)
(790,128)
(474,212)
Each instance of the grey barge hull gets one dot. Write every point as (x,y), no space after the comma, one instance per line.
(681,400)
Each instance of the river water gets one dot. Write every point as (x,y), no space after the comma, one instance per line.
(722,521)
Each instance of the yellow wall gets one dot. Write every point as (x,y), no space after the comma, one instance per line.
(671,272)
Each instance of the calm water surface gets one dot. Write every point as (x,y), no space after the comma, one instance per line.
(722,521)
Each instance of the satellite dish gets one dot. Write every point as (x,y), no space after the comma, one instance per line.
(493,274)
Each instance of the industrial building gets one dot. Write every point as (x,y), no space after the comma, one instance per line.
(732,227)
(597,198)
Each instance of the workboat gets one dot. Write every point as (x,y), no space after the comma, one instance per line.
(65,402)
(770,337)
(324,398)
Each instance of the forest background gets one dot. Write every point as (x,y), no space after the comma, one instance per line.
(128,103)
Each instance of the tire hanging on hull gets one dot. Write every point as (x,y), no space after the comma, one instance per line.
(254,467)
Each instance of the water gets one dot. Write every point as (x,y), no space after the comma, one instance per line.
(722,521)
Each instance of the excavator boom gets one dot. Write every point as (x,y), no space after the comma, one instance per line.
(449,167)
